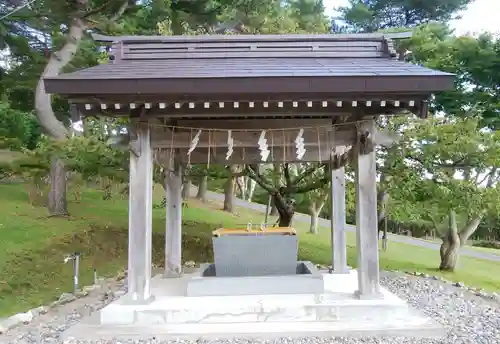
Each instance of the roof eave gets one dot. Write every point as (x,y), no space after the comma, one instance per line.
(424,84)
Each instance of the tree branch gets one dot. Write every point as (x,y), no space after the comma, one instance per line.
(492,177)
(309,171)
(259,179)
(120,11)
(317,184)
(453,237)
(456,164)
(468,230)
(238,183)
(286,172)
(98,9)
(340,160)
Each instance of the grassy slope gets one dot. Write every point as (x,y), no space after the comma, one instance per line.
(32,246)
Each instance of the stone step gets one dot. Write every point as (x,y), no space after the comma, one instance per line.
(254,309)
(412,325)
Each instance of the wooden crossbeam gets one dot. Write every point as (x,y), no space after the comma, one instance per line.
(243,155)
(167,138)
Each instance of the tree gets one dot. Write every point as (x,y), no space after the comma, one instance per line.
(229,189)
(427,46)
(87,157)
(283,189)
(449,169)
(317,199)
(476,62)
(32,34)
(309,15)
(374,15)
(19,125)
(202,188)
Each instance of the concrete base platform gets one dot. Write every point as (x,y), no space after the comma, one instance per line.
(204,282)
(335,312)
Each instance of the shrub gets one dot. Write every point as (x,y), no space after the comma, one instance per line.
(487,244)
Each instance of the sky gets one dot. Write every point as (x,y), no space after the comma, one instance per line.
(479,17)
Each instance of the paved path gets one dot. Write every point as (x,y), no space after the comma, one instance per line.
(392,237)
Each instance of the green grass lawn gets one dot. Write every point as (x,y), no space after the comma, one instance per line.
(32,245)
(403,257)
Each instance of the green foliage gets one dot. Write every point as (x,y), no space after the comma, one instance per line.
(309,15)
(86,156)
(487,244)
(476,62)
(374,15)
(17,128)
(444,164)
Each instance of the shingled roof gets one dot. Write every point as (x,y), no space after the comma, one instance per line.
(250,64)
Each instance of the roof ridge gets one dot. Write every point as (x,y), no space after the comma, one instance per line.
(378,36)
(261,46)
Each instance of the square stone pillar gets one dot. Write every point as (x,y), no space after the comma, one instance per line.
(173,227)
(140,219)
(337,221)
(366,218)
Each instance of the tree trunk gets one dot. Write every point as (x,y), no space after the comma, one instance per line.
(453,240)
(202,189)
(240,192)
(313,228)
(229,194)
(107,187)
(285,210)
(285,220)
(186,188)
(251,189)
(57,204)
(382,201)
(314,211)
(449,252)
(276,181)
(43,102)
(242,182)
(274,210)
(57,195)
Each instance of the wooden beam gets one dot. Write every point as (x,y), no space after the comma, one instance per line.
(338,219)
(215,98)
(398,35)
(366,221)
(252,124)
(173,230)
(244,155)
(140,220)
(163,137)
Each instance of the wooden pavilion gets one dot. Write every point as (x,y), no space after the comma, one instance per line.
(240,96)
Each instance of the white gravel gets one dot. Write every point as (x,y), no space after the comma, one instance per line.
(468,318)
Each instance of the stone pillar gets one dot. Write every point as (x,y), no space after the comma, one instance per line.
(173,230)
(140,219)
(366,219)
(337,221)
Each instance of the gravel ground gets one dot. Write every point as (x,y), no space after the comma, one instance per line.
(467,317)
